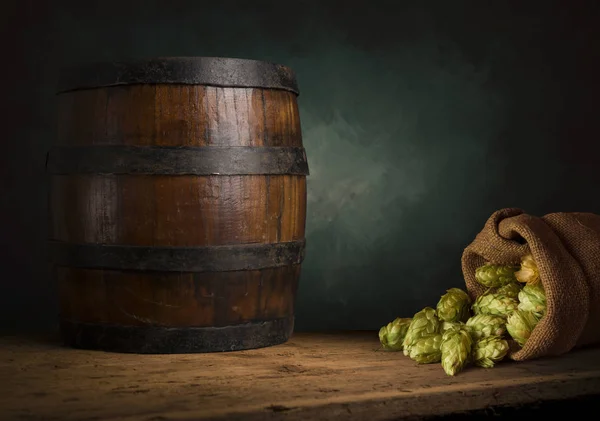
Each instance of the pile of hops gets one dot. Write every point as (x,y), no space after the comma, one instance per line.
(459,332)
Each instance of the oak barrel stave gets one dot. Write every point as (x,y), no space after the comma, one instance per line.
(189,304)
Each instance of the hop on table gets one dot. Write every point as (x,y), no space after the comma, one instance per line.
(459,332)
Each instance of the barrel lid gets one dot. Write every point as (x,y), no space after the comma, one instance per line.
(211,71)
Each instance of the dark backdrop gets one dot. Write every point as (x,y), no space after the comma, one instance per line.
(420,118)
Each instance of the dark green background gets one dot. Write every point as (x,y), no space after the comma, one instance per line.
(420,118)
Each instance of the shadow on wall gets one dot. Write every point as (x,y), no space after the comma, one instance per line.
(418,124)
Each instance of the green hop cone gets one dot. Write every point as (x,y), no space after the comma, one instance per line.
(456,349)
(392,334)
(533,298)
(484,325)
(520,324)
(511,290)
(495,304)
(426,349)
(454,306)
(529,273)
(448,325)
(489,350)
(495,276)
(424,322)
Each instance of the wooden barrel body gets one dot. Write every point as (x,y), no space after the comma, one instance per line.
(178,205)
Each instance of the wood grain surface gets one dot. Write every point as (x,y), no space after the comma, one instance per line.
(314,376)
(178,210)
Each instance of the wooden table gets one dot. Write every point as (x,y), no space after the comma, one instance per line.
(312,377)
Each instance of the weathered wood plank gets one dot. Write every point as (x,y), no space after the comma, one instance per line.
(313,376)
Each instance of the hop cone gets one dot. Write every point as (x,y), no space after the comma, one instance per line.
(529,273)
(495,276)
(510,290)
(426,350)
(495,304)
(456,349)
(484,325)
(488,351)
(423,322)
(520,324)
(392,334)
(533,298)
(454,306)
(444,326)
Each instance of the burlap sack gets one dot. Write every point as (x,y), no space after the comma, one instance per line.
(566,248)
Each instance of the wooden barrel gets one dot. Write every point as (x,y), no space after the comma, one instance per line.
(178,205)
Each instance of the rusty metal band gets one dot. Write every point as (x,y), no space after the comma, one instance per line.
(210,71)
(177,160)
(176,340)
(177,259)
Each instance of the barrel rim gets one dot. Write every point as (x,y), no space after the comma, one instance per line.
(227,72)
